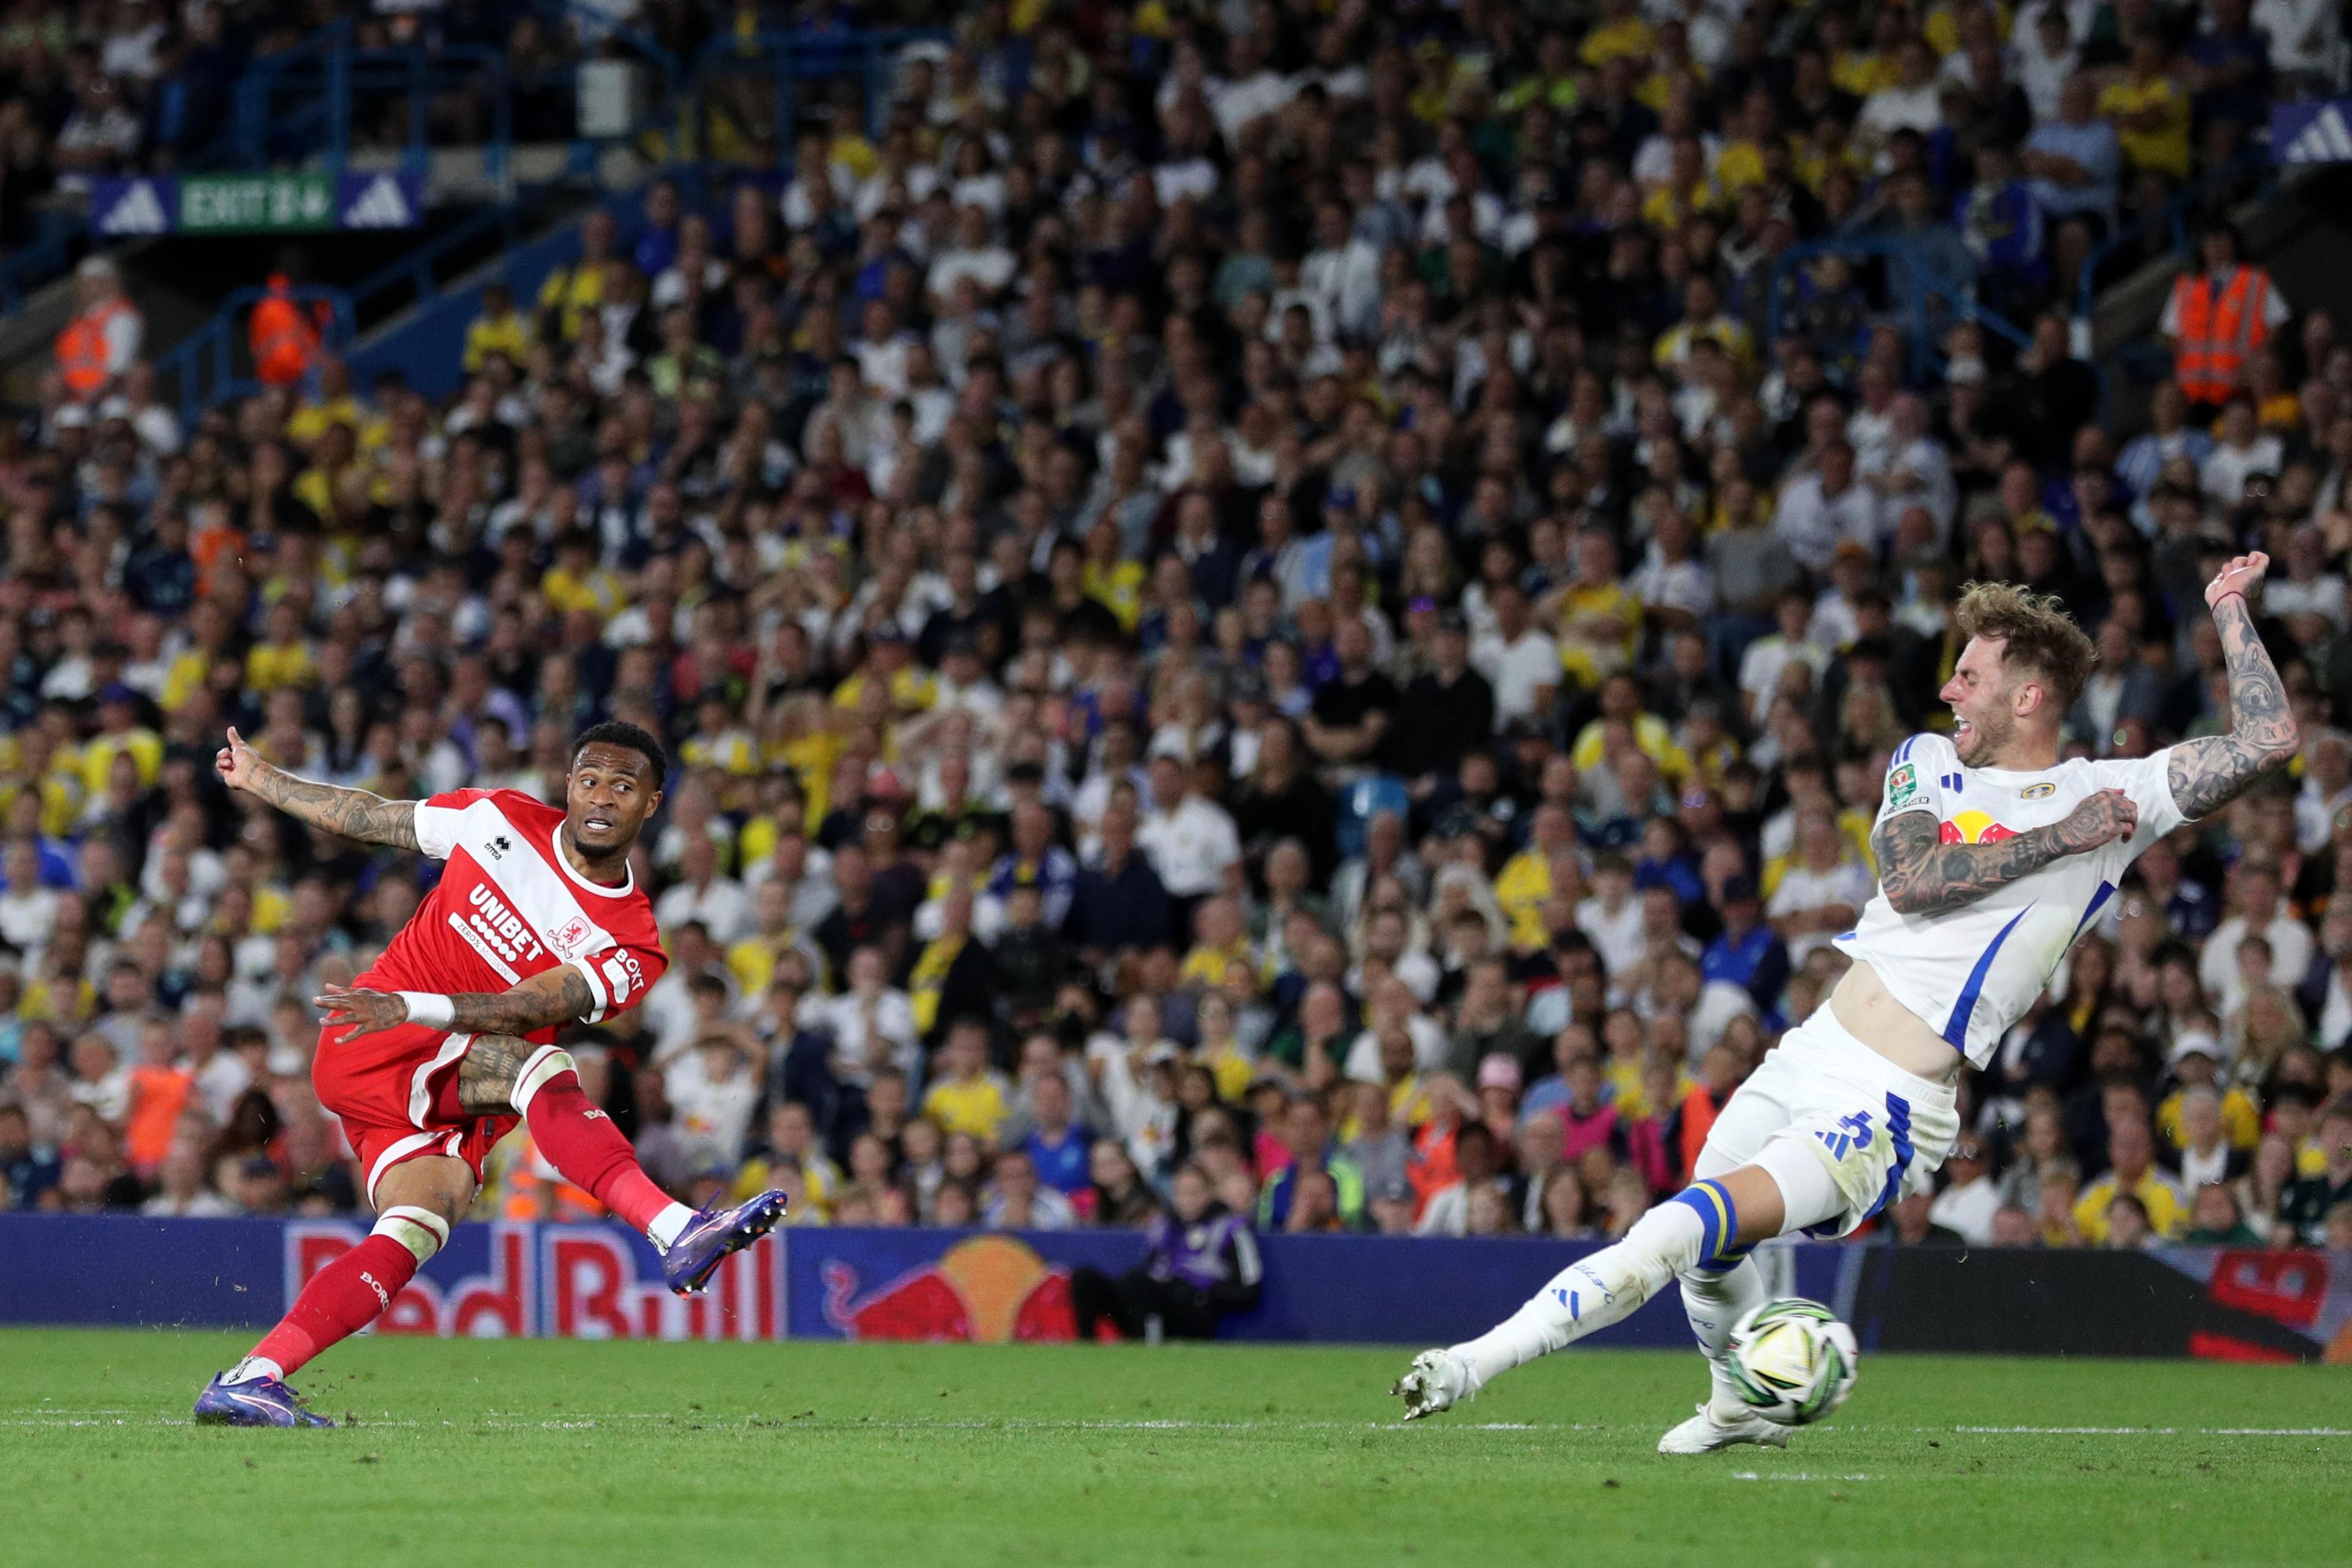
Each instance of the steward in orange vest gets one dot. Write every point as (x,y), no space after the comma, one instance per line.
(2216,318)
(102,339)
(284,337)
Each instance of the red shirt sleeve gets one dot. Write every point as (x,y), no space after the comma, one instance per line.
(620,973)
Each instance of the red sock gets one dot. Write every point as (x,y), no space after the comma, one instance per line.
(581,1142)
(340,1300)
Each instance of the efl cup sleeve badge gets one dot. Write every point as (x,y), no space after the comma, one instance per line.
(1902,785)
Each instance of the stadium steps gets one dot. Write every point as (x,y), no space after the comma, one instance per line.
(2300,229)
(425,341)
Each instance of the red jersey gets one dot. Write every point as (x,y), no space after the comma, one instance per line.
(510,906)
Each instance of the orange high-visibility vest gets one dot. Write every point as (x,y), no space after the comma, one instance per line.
(284,341)
(2219,328)
(1699,1111)
(532,1196)
(81,350)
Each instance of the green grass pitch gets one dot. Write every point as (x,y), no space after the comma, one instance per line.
(555,1452)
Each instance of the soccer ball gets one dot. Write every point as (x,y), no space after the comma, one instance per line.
(1792,1361)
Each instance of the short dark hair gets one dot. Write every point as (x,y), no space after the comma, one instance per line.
(629,737)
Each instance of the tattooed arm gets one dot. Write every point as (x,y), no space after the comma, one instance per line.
(557,997)
(1923,875)
(2207,775)
(353,813)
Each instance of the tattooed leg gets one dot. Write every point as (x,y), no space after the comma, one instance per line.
(487,1071)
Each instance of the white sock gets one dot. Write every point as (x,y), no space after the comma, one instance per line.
(669,1224)
(256,1366)
(1593,1294)
(1714,1302)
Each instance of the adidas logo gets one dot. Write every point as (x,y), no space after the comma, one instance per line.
(2326,138)
(381,205)
(139,211)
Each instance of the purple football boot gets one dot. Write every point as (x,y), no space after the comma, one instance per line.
(257,1402)
(711,1234)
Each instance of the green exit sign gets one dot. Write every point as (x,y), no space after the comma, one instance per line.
(251,203)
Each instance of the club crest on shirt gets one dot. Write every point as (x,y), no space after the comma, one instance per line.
(567,939)
(2037,792)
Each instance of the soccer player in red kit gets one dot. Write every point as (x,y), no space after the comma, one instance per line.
(441,1048)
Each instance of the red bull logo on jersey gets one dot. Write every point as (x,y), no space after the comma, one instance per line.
(1974,827)
(990,1290)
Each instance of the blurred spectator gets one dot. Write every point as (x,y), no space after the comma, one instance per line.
(2159,1203)
(1199,1263)
(1319,604)
(1969,1203)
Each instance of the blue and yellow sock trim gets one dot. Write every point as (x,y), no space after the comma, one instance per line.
(1718,1219)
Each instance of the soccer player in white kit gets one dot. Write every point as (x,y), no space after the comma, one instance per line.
(1993,855)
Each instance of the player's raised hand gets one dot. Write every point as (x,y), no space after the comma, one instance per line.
(2101,818)
(237,762)
(366,1012)
(2243,575)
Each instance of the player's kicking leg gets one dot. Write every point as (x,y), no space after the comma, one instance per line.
(501,1075)
(417,1201)
(1708,1226)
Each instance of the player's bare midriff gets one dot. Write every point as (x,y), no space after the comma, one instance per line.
(1872,1014)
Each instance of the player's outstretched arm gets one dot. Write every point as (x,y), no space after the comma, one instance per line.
(2208,773)
(1921,875)
(353,813)
(559,995)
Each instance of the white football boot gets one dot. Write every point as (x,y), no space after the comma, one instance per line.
(1436,1381)
(1704,1433)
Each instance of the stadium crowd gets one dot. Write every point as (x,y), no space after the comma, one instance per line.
(1294,591)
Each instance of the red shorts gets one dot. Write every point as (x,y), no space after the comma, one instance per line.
(397,1094)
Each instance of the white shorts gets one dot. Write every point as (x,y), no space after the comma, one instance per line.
(1877,1127)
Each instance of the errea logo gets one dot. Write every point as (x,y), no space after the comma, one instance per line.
(500,847)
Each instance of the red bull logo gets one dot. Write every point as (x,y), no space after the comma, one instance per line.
(1974,827)
(990,1289)
(500,1304)
(559,1281)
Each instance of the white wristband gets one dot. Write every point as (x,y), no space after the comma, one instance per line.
(429,1008)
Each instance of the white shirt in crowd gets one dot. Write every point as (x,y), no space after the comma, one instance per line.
(1803,891)
(2290,954)
(712,1114)
(1967,1208)
(1190,847)
(1519,671)
(721,905)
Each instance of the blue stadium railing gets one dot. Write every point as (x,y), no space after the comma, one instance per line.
(2173,219)
(789,61)
(304,101)
(57,240)
(1912,284)
(205,366)
(307,102)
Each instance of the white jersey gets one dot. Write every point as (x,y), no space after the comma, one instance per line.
(1972,973)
